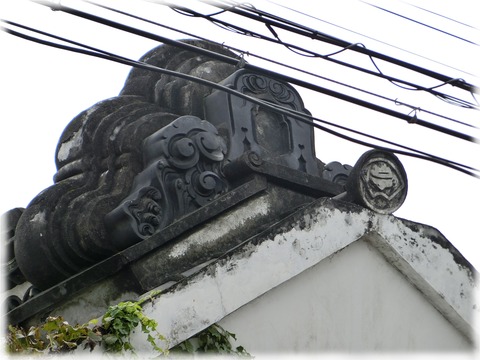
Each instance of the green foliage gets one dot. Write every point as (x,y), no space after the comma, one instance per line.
(57,336)
(120,320)
(213,339)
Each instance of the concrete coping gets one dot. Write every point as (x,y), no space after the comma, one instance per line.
(420,252)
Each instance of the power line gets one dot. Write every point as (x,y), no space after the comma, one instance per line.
(419,22)
(269,73)
(443,16)
(305,118)
(367,37)
(243,52)
(275,21)
(306,52)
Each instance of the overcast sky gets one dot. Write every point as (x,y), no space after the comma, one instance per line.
(43,88)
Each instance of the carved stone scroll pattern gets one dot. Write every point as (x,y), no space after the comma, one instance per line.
(146,211)
(182,173)
(279,92)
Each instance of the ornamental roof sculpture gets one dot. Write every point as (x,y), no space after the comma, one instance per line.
(131,166)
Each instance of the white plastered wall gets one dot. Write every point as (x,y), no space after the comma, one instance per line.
(329,277)
(353,301)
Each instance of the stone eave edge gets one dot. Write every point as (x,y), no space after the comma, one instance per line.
(232,281)
(449,283)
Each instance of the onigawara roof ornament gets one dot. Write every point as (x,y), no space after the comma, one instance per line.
(165,148)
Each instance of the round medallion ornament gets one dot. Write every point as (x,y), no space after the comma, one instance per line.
(378,181)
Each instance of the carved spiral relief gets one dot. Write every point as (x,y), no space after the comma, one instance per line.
(147,210)
(182,173)
(280,92)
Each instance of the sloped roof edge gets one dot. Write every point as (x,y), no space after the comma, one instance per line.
(302,240)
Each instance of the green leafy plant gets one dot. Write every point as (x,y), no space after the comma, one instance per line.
(213,339)
(58,336)
(120,320)
(55,336)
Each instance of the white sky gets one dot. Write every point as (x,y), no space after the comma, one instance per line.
(43,88)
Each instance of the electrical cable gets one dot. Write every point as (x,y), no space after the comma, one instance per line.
(242,52)
(263,71)
(419,22)
(443,16)
(305,52)
(54,37)
(284,111)
(276,21)
(366,36)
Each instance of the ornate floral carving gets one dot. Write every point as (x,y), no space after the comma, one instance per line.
(182,173)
